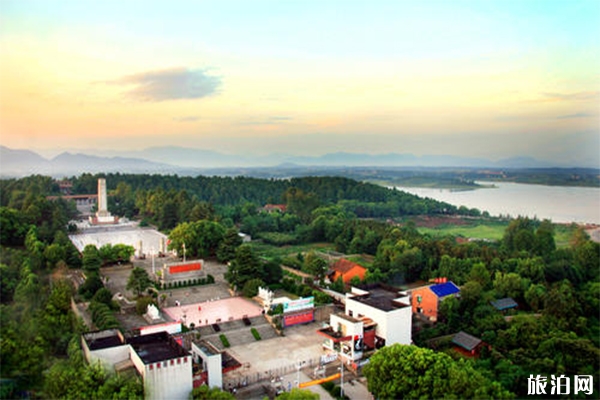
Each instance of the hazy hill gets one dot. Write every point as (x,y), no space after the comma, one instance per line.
(190,161)
(18,163)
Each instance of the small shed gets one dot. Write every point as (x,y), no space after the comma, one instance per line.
(468,343)
(504,304)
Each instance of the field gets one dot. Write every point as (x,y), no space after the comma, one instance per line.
(465,227)
(480,228)
(269,251)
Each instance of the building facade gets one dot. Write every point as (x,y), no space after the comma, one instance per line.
(164,366)
(426,300)
(374,317)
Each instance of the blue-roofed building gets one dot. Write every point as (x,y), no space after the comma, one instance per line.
(426,300)
(444,289)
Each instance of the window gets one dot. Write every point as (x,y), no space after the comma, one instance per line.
(185,359)
(157,365)
(151,367)
(179,361)
(172,362)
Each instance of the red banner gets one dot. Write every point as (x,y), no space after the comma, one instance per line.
(177,269)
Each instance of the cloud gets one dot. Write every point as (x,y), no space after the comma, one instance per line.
(189,118)
(169,84)
(578,96)
(274,120)
(576,115)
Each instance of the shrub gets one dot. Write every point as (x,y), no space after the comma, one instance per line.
(103,296)
(250,288)
(224,340)
(141,305)
(102,316)
(210,279)
(278,309)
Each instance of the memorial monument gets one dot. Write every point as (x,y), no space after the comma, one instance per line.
(103,216)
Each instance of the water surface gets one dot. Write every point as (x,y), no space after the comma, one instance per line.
(558,203)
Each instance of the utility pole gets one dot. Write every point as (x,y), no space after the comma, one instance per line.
(342,380)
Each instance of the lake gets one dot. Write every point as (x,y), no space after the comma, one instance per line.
(558,203)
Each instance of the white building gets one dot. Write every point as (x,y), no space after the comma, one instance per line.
(164,366)
(211,362)
(372,318)
(390,310)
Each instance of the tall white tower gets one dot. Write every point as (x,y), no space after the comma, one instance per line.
(102,207)
(102,215)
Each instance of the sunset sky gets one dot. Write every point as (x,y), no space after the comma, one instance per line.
(478,78)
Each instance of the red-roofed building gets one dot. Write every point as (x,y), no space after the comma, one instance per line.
(347,270)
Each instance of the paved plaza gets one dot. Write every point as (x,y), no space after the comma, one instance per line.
(278,359)
(211,312)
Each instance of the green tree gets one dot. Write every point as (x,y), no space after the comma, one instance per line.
(35,249)
(272,271)
(544,239)
(14,227)
(92,284)
(519,235)
(231,241)
(251,287)
(205,393)
(53,254)
(301,203)
(138,281)
(201,238)
(91,259)
(480,273)
(243,267)
(535,296)
(315,265)
(510,284)
(410,372)
(298,394)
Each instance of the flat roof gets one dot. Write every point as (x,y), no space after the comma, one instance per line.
(103,339)
(156,347)
(347,317)
(381,298)
(207,347)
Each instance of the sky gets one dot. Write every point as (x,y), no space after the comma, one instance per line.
(482,78)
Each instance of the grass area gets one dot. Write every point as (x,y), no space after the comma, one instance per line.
(490,232)
(432,183)
(270,251)
(563,234)
(493,230)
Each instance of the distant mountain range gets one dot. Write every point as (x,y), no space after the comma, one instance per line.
(189,161)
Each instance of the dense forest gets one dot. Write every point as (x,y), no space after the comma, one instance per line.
(556,329)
